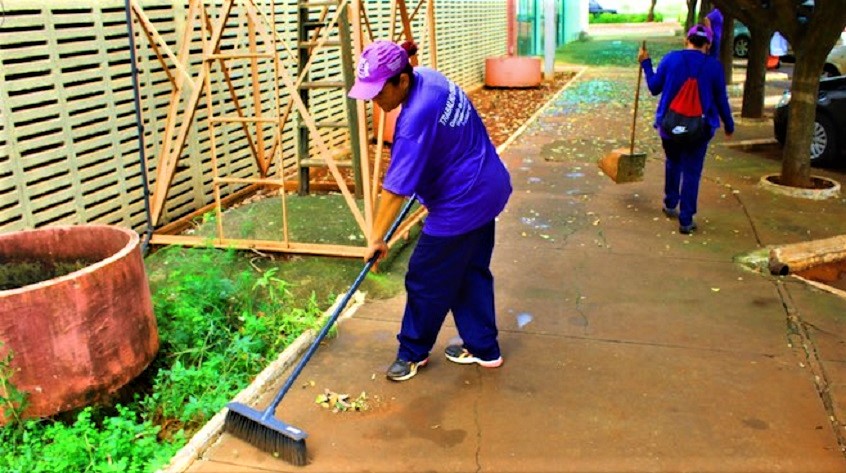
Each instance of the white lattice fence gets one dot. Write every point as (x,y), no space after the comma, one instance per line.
(69,148)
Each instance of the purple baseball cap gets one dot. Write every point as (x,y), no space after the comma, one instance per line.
(379,61)
(702,31)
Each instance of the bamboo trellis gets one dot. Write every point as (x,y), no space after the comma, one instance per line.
(264,43)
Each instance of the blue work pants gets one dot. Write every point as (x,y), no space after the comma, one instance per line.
(450,274)
(682,173)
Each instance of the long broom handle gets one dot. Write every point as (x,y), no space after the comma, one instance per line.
(271,409)
(637,100)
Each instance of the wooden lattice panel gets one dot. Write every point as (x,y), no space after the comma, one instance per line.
(68,135)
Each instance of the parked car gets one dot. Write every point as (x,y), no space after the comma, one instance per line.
(741,40)
(835,63)
(594,8)
(829,141)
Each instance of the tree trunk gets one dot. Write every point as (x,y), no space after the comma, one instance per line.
(727,48)
(796,162)
(691,14)
(704,9)
(650,17)
(756,70)
(812,29)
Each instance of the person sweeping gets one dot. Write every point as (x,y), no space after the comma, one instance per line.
(687,80)
(441,153)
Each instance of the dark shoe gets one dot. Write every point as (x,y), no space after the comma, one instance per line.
(688,229)
(402,370)
(459,354)
(670,213)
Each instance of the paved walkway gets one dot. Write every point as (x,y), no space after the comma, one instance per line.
(628,347)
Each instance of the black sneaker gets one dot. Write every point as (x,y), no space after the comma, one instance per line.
(459,354)
(670,213)
(688,229)
(402,370)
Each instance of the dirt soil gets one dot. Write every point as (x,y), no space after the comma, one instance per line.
(505,110)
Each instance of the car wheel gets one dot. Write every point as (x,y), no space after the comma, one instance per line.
(741,46)
(824,141)
(829,70)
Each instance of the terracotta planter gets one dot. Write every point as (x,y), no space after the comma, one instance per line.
(77,337)
(513,71)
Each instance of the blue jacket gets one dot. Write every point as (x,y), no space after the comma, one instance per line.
(675,68)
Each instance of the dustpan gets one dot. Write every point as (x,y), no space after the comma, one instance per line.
(623,164)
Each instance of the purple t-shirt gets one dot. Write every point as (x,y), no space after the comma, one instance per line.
(442,152)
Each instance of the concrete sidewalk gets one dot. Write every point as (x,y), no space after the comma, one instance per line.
(628,347)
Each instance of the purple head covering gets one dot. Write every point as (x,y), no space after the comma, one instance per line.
(379,61)
(701,31)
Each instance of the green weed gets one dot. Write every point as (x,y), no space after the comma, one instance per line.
(118,443)
(12,401)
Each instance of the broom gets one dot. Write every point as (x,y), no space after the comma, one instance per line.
(624,165)
(260,428)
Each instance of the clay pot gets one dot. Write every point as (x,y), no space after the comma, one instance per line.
(513,71)
(77,337)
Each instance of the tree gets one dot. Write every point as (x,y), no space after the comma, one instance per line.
(727,47)
(691,14)
(812,28)
(650,17)
(704,8)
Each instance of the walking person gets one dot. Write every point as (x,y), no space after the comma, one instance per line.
(684,161)
(442,153)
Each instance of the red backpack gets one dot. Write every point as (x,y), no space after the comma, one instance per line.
(683,122)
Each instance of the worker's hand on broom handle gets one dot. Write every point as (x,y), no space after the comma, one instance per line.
(642,54)
(378,248)
(392,209)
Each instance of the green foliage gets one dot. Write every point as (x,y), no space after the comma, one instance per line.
(12,401)
(118,443)
(219,325)
(623,18)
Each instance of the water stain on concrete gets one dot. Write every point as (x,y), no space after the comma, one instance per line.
(756,424)
(424,420)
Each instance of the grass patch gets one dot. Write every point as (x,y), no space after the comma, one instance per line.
(623,18)
(615,51)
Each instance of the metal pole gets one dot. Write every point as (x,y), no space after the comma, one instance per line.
(549,39)
(139,125)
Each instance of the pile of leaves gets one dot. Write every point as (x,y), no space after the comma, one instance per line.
(338,402)
(504,110)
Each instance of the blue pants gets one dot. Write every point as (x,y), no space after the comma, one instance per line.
(450,274)
(682,172)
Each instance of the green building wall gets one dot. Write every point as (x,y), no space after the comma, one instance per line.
(530,24)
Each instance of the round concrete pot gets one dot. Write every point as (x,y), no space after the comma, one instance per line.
(77,337)
(832,189)
(513,71)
